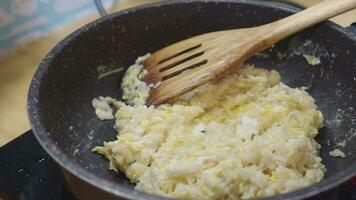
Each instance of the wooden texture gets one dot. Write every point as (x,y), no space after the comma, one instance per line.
(17,68)
(212,55)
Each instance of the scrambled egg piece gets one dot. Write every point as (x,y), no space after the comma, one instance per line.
(102,107)
(241,137)
(135,91)
(337,153)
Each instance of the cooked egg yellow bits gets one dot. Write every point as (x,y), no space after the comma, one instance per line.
(245,136)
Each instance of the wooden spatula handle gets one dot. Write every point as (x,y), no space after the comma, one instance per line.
(287,26)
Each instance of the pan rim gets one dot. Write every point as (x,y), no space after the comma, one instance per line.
(72,167)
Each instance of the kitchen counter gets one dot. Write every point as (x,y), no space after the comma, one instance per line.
(18,67)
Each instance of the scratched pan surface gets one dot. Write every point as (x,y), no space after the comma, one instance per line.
(66,81)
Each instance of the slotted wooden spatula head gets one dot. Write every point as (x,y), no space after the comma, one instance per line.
(185,65)
(188,64)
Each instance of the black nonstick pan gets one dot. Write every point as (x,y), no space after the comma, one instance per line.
(59,102)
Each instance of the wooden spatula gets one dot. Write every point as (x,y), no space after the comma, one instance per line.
(185,65)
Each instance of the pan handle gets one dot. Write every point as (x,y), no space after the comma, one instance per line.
(100,7)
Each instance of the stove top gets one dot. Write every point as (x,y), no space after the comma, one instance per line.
(28,173)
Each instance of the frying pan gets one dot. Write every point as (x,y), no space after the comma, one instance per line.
(60,95)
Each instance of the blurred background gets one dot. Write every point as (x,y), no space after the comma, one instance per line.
(30,28)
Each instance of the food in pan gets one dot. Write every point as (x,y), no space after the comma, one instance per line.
(337,153)
(244,136)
